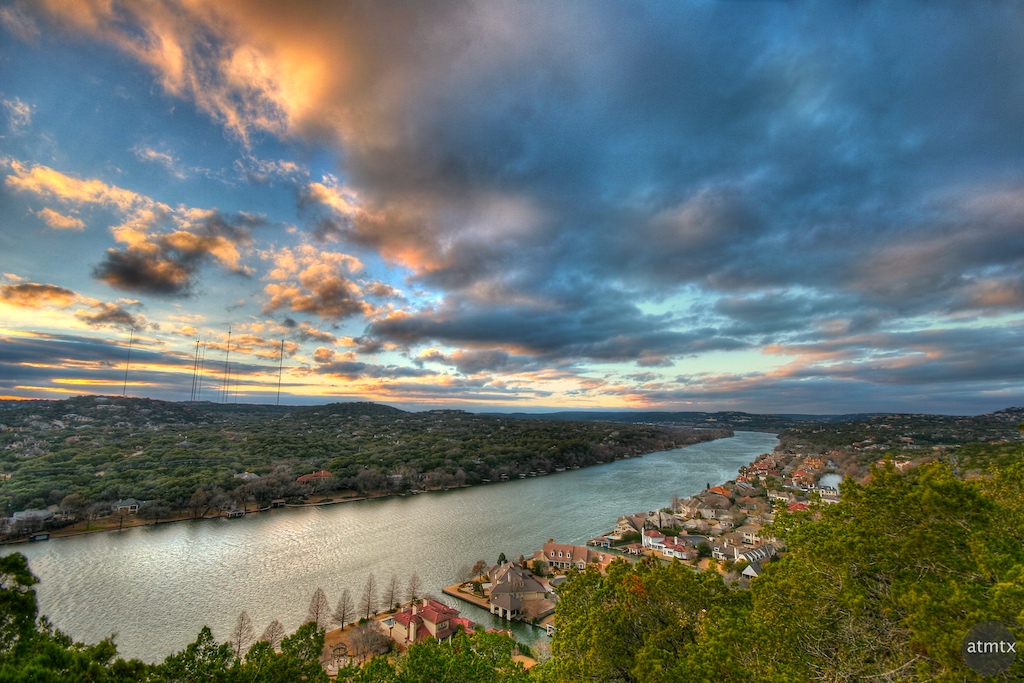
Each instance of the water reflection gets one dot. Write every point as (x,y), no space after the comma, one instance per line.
(157,586)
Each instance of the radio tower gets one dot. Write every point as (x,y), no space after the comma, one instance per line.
(127,364)
(195,371)
(227,370)
(280,369)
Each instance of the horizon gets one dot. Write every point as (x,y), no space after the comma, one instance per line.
(538,410)
(768,208)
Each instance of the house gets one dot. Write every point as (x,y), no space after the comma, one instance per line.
(128,505)
(30,520)
(758,554)
(653,539)
(674,548)
(798,507)
(512,587)
(751,534)
(719,490)
(660,519)
(752,570)
(247,476)
(629,524)
(564,556)
(694,507)
(698,526)
(314,477)
(424,619)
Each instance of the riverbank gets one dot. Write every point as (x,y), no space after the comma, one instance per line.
(122,522)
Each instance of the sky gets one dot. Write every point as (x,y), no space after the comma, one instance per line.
(775,207)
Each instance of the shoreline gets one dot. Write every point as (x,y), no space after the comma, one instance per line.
(136,522)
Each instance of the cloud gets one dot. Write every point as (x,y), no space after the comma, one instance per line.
(47,182)
(111,315)
(35,295)
(19,114)
(165,159)
(59,221)
(317,282)
(165,247)
(167,263)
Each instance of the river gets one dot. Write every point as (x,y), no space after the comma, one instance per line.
(156,586)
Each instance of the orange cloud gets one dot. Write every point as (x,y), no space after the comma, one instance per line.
(46,182)
(35,295)
(59,221)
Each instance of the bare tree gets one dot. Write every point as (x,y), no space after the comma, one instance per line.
(274,634)
(345,610)
(412,591)
(369,601)
(367,640)
(242,635)
(319,609)
(478,569)
(391,593)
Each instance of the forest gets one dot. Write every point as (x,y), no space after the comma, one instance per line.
(883,586)
(86,453)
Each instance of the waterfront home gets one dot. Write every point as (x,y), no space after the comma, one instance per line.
(653,540)
(515,591)
(314,477)
(128,505)
(659,519)
(425,619)
(562,556)
(30,520)
(629,524)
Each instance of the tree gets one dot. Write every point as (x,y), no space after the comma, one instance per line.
(299,659)
(345,609)
(273,634)
(203,660)
(502,559)
(367,640)
(319,608)
(198,502)
(703,549)
(478,569)
(412,591)
(73,504)
(391,593)
(17,601)
(242,635)
(368,603)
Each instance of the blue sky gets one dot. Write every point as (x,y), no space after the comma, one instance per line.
(763,206)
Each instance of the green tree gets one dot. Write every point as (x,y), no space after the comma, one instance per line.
(202,660)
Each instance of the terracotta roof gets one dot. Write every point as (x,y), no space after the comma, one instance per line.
(322,474)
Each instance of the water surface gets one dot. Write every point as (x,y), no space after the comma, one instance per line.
(155,587)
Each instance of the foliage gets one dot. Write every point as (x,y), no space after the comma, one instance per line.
(883,586)
(93,450)
(468,658)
